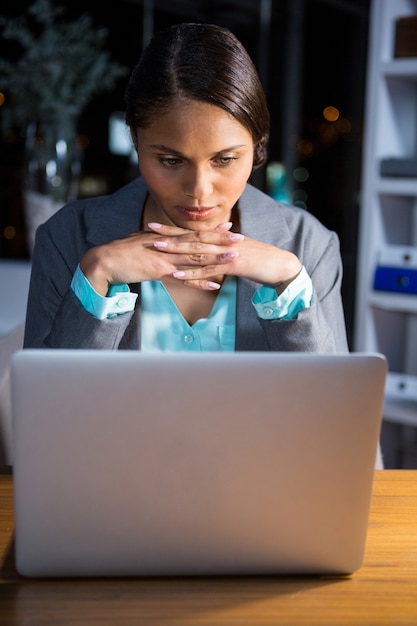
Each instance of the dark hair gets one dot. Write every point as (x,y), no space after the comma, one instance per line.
(201,62)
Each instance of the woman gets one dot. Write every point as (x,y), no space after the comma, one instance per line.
(189,256)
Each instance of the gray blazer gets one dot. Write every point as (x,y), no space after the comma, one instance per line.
(56,319)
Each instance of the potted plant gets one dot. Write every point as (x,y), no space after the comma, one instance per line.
(60,65)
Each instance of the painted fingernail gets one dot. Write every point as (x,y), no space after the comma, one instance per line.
(236,237)
(154,225)
(213,286)
(230,255)
(178,274)
(160,244)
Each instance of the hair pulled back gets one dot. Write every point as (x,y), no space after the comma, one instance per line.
(202,62)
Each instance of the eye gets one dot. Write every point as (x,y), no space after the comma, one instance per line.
(225,160)
(169,161)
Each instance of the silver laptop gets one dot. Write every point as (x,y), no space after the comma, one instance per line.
(135,464)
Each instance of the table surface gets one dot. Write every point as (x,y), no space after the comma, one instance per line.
(383,591)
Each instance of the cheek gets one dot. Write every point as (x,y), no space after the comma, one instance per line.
(156,179)
(239,178)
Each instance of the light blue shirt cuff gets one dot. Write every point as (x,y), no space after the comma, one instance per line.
(296,297)
(119,298)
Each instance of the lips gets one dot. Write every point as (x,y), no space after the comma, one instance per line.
(197,213)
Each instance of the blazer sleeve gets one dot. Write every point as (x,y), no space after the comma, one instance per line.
(320,328)
(55,318)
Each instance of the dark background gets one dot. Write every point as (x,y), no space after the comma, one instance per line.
(310,54)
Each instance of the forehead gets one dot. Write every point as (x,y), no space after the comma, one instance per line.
(189,122)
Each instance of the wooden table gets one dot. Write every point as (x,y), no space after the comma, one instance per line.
(383,591)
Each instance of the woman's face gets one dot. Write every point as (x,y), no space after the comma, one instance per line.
(195,160)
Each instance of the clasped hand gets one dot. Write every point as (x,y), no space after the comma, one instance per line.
(199,259)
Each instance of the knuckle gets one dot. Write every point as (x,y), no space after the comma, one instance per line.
(197,258)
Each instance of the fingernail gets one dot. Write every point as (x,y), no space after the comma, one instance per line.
(213,286)
(160,244)
(223,227)
(178,274)
(230,255)
(236,237)
(155,225)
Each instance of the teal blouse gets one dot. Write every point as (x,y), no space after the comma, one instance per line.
(164,327)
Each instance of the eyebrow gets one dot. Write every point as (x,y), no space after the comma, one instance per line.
(162,148)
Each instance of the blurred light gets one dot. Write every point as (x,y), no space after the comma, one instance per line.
(329,134)
(300,195)
(61,148)
(120,141)
(2,98)
(331,114)
(93,186)
(305,147)
(50,169)
(9,232)
(344,125)
(300,174)
(276,181)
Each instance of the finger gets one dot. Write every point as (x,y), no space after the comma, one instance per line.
(163,229)
(205,241)
(199,236)
(222,228)
(206,285)
(199,273)
(203,260)
(209,259)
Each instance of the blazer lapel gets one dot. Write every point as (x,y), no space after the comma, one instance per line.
(120,214)
(261,219)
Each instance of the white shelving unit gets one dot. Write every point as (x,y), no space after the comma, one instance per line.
(386,321)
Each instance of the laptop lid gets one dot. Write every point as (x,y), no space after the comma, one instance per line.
(135,464)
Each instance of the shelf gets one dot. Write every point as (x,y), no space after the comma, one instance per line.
(401,399)
(386,321)
(400,68)
(397,186)
(390,301)
(400,411)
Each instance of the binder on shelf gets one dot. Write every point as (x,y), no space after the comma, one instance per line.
(397,270)
(397,279)
(399,167)
(405,39)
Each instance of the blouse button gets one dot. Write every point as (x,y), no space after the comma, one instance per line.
(122,302)
(188,338)
(268,311)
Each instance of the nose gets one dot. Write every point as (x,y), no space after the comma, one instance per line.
(199,183)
